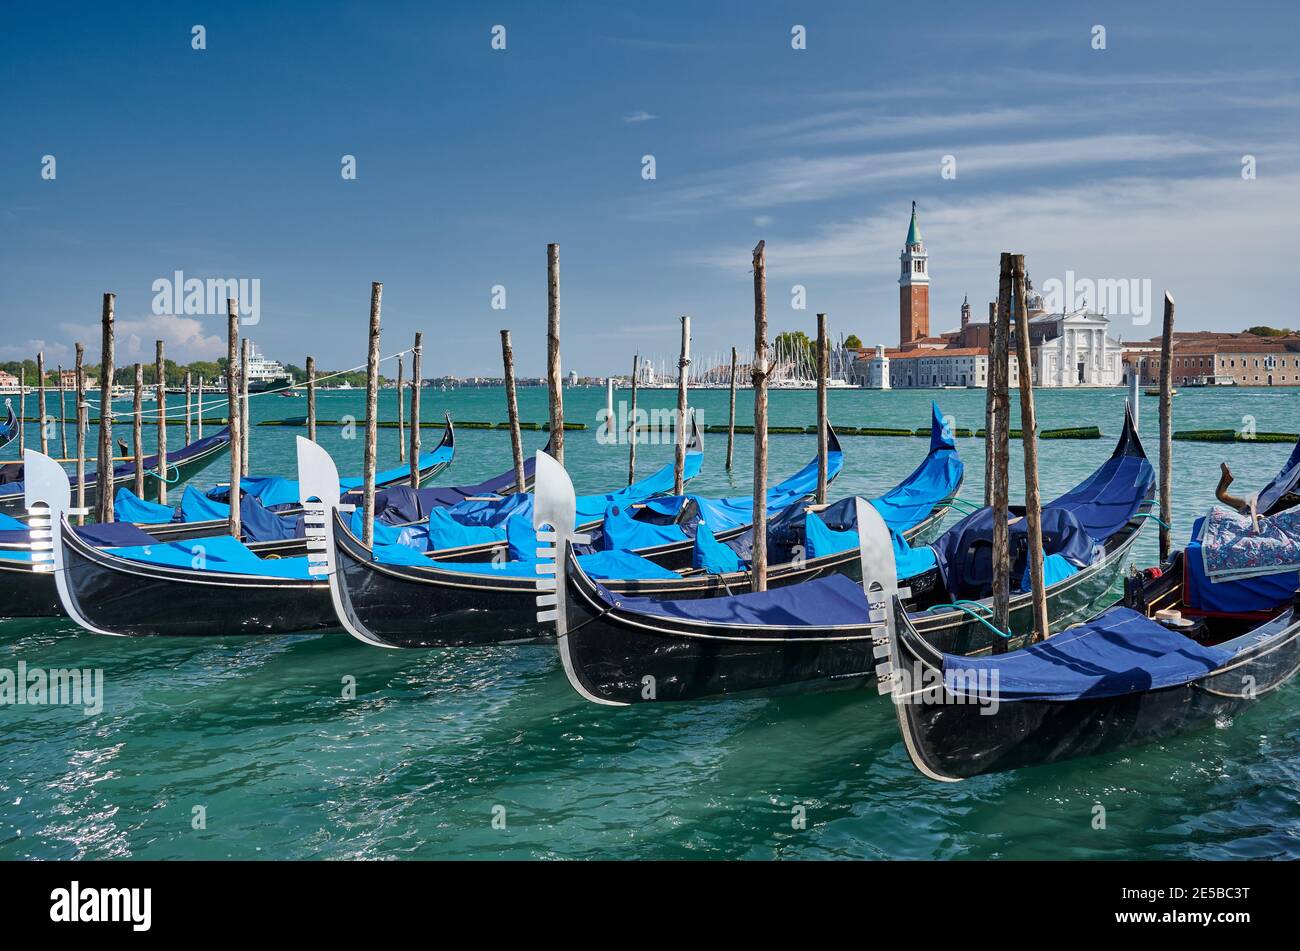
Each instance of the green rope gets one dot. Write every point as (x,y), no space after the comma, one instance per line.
(969,607)
(154,473)
(958,503)
(1152,515)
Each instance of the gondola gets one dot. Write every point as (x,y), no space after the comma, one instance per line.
(204,513)
(9,431)
(611,642)
(207,586)
(26,592)
(1138,673)
(416,603)
(182,465)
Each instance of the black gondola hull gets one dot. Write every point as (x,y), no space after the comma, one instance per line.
(27,593)
(953,740)
(116,596)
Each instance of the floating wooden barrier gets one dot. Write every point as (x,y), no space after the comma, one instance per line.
(424,424)
(1232,435)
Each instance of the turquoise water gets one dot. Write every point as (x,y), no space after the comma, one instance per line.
(438,743)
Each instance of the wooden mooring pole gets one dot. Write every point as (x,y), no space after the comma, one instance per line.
(1166,424)
(1001,457)
(372,421)
(160,378)
(245,352)
(1029,444)
(512,410)
(633,434)
(758,581)
(22,411)
(199,409)
(683,368)
(823,443)
(103,467)
(82,425)
(137,430)
(63,413)
(40,401)
(731,414)
(311,400)
(232,413)
(554,380)
(991,398)
(189,417)
(401,428)
(416,353)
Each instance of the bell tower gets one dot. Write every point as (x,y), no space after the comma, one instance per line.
(913,287)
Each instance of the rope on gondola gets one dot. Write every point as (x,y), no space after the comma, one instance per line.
(958,503)
(154,473)
(966,607)
(1152,515)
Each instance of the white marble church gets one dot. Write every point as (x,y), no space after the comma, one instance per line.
(1074,350)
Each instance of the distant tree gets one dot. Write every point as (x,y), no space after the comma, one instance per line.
(1263,331)
(852,342)
(794,346)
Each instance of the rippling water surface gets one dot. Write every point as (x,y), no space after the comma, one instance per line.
(437,743)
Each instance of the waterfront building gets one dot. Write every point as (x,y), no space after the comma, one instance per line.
(1209,358)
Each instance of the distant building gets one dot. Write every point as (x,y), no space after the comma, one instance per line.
(8,381)
(573,378)
(1208,358)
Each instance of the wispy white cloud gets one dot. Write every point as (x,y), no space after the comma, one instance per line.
(639,116)
(186,338)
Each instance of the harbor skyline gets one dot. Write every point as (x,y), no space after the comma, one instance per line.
(1178,173)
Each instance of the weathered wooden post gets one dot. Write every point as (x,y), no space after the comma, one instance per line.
(758,581)
(233,413)
(63,414)
(991,398)
(512,410)
(1166,424)
(1029,443)
(189,417)
(372,413)
(1135,394)
(22,410)
(416,380)
(82,426)
(245,354)
(633,434)
(553,378)
(160,377)
(401,429)
(311,400)
(823,443)
(104,457)
(199,408)
(40,400)
(683,367)
(1001,459)
(137,430)
(731,413)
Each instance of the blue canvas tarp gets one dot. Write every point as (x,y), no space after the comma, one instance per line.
(824,602)
(1118,653)
(129,507)
(711,555)
(601,565)
(217,554)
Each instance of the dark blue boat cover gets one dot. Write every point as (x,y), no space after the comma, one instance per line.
(1239,596)
(1284,482)
(1120,652)
(833,601)
(112,534)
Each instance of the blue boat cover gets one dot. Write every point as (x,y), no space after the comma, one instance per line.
(492,513)
(1120,652)
(441,454)
(833,601)
(938,477)
(445,532)
(9,431)
(521,539)
(711,555)
(621,530)
(591,508)
(111,534)
(10,524)
(129,507)
(1241,596)
(220,553)
(1112,495)
(429,499)
(1056,568)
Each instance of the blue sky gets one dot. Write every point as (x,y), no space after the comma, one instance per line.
(1116,163)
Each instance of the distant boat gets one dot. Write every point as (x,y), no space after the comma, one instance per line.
(1155,391)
